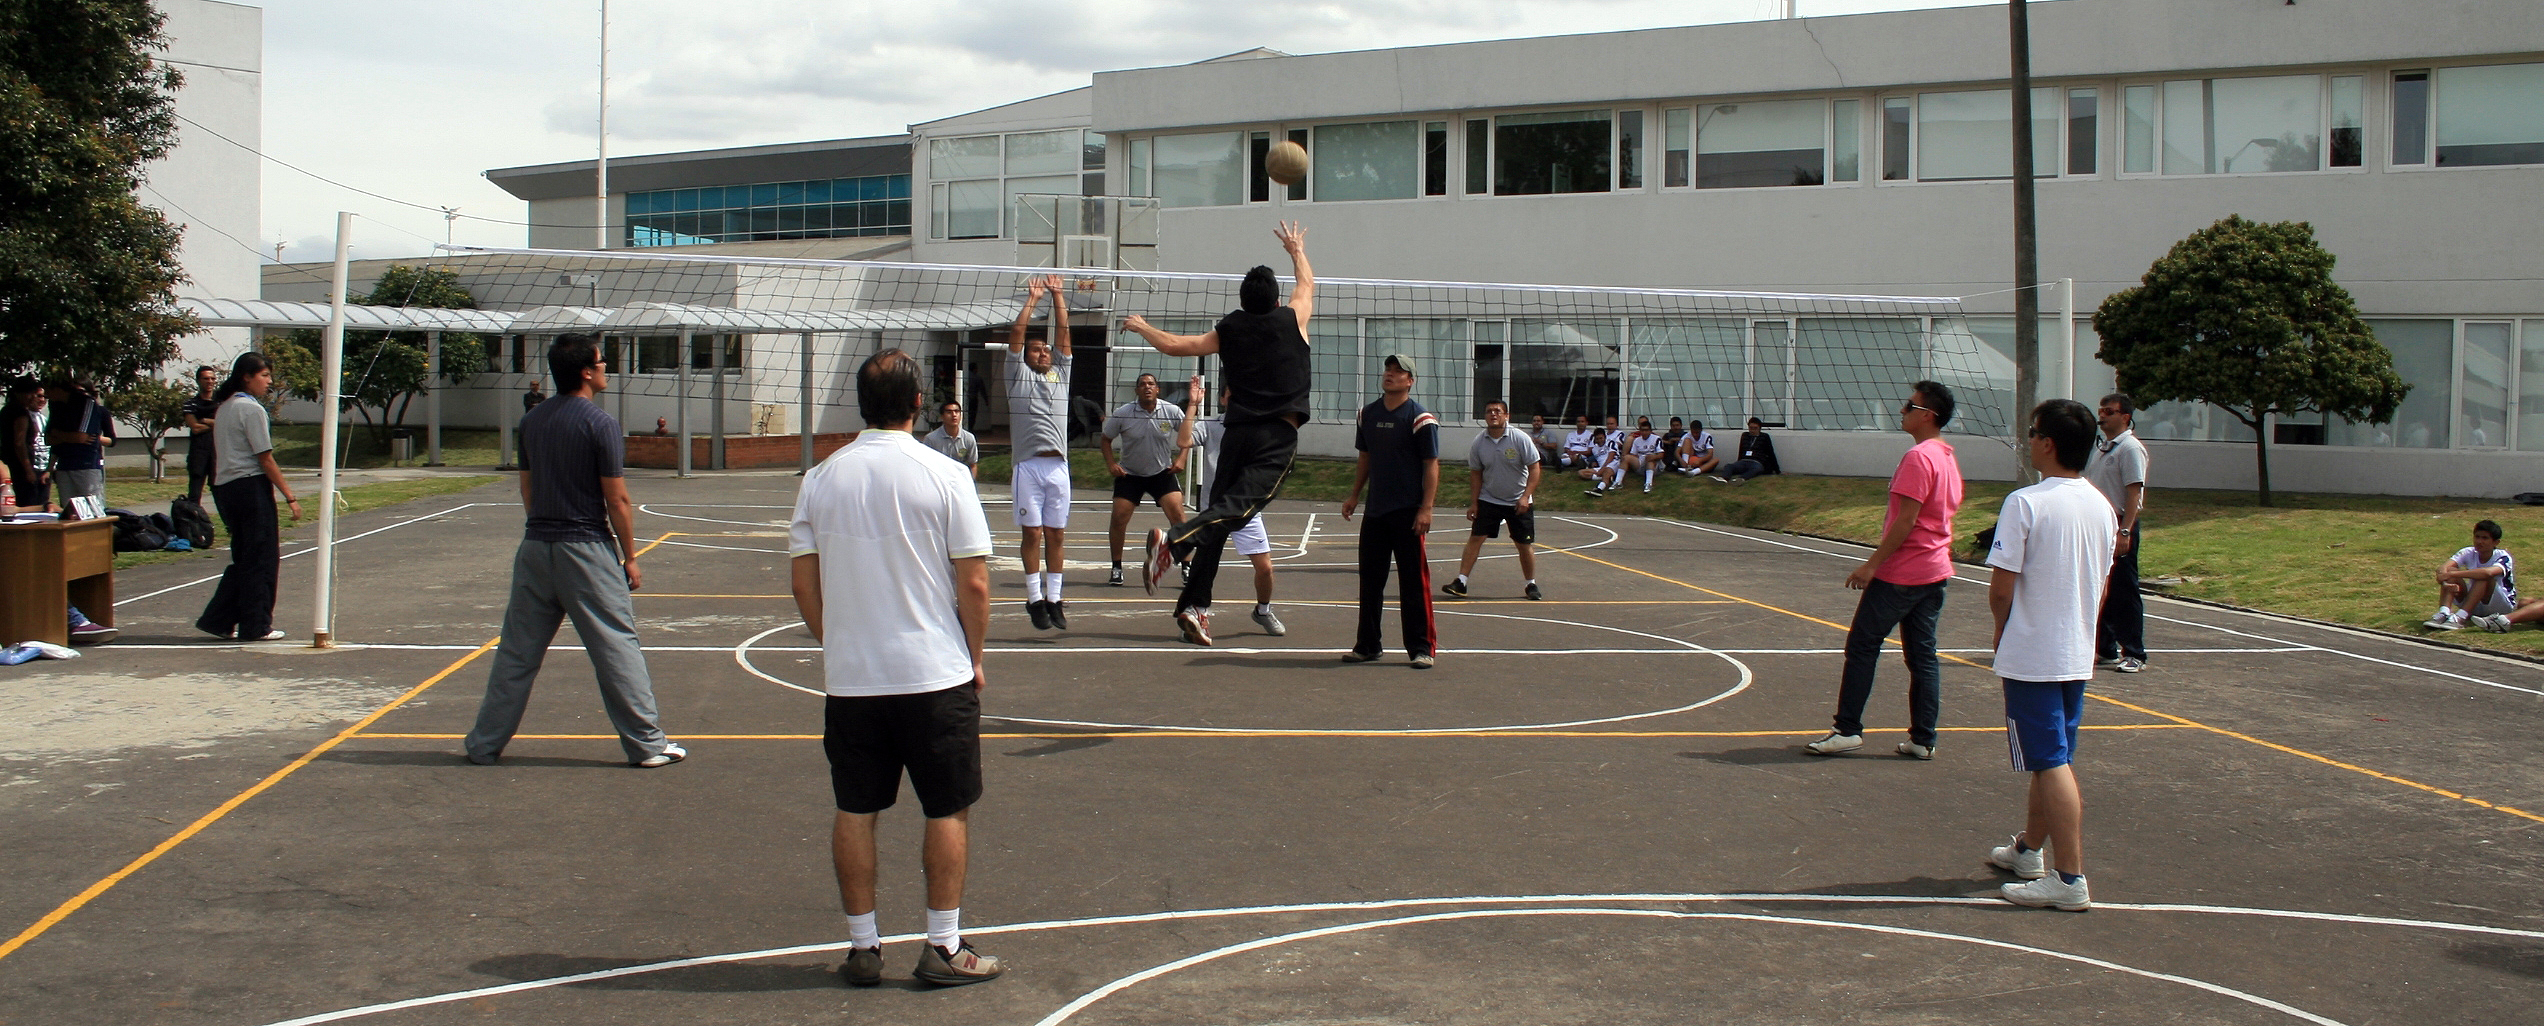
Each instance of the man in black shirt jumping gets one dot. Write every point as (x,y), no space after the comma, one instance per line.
(1262,348)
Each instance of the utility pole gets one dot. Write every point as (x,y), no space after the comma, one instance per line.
(450,216)
(600,163)
(2026,244)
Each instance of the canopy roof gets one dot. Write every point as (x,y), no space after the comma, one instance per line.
(657,317)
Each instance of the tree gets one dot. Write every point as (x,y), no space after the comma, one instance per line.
(385,371)
(88,274)
(2245,316)
(156,407)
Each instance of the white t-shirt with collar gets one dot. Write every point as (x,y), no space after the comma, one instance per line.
(888,516)
(2058,535)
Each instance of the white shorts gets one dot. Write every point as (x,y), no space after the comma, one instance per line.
(1250,540)
(1041,487)
(2499,603)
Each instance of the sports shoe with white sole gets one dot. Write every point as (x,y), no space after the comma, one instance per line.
(1456,588)
(1160,556)
(1913,750)
(2010,857)
(2130,664)
(2496,623)
(2049,892)
(963,966)
(1835,744)
(1425,661)
(670,754)
(1270,622)
(1195,625)
(2443,623)
(1116,579)
(864,967)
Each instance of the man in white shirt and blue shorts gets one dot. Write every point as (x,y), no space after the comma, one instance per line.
(890,570)
(2051,558)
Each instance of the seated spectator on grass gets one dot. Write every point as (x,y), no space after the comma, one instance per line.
(1549,440)
(1757,456)
(1694,455)
(1643,452)
(1603,451)
(1669,443)
(2480,580)
(1578,446)
(2527,611)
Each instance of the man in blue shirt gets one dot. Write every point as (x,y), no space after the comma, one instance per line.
(1399,445)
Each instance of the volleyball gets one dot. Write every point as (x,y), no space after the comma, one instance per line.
(1287,163)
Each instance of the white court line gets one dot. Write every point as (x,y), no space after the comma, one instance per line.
(1140,919)
(1050,650)
(1083,1001)
(2300,645)
(340,542)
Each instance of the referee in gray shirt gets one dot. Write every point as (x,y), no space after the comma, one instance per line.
(1154,436)
(577,558)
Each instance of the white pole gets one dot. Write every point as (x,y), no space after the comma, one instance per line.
(2067,329)
(681,411)
(433,399)
(330,383)
(804,409)
(600,164)
(1789,12)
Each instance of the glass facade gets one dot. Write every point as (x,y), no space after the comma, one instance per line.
(828,209)
(974,181)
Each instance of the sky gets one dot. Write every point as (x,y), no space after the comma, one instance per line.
(378,96)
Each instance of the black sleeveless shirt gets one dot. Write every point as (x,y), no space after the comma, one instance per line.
(1265,365)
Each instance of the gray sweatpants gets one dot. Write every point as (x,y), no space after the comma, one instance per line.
(550,581)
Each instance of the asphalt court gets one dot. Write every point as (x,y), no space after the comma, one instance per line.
(1594,810)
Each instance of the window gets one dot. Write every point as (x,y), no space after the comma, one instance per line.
(1435,159)
(1629,149)
(2530,419)
(1205,170)
(2424,355)
(1138,168)
(2349,118)
(2484,416)
(829,208)
(2082,117)
(1762,143)
(2240,126)
(1674,152)
(1554,152)
(2411,117)
(1895,139)
(2137,130)
(1844,152)
(1969,136)
(1376,160)
(1479,160)
(974,180)
(2490,115)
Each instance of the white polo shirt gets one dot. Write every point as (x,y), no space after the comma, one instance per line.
(2058,534)
(888,516)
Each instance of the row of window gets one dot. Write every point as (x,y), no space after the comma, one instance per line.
(824,209)
(2452,117)
(973,181)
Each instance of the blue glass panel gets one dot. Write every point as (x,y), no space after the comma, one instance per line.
(870,188)
(897,215)
(817,192)
(817,219)
(790,194)
(721,198)
(684,199)
(636,203)
(896,186)
(764,195)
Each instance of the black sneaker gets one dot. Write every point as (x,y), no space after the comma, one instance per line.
(1116,579)
(1059,613)
(1534,594)
(864,967)
(1041,617)
(1359,656)
(1456,588)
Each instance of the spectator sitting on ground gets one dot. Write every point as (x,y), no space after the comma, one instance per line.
(1594,458)
(1757,456)
(1641,454)
(1549,440)
(2480,580)
(1695,452)
(1669,443)
(2527,611)
(1579,447)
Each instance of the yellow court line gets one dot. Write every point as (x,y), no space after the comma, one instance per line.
(100,887)
(2184,721)
(1286,733)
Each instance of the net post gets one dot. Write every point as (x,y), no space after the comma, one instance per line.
(331,388)
(680,409)
(715,392)
(432,398)
(503,420)
(804,408)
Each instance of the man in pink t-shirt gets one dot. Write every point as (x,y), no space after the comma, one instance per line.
(1903,581)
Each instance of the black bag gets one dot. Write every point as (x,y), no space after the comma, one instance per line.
(191,523)
(137,533)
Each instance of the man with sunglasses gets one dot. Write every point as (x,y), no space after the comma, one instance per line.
(1903,582)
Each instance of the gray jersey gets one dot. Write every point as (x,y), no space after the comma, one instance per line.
(1144,440)
(1205,457)
(1505,462)
(240,433)
(964,450)
(1038,406)
(2114,465)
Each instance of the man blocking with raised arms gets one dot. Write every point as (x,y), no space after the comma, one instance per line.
(1038,425)
(891,574)
(1262,347)
(2050,560)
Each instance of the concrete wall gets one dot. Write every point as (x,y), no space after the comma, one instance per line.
(205,184)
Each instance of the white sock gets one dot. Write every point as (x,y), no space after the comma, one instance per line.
(1051,587)
(945,928)
(1532,582)
(1461,580)
(1263,607)
(862,933)
(1647,478)
(1033,587)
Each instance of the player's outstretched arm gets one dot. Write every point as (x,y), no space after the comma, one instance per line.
(1060,312)
(1170,343)
(1303,294)
(1024,317)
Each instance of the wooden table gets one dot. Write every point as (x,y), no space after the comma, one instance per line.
(47,567)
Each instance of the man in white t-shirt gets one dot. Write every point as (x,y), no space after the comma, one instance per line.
(890,570)
(2051,558)
(1207,436)
(2480,580)
(1696,451)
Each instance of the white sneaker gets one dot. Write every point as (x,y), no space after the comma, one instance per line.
(1913,750)
(2443,623)
(1835,744)
(2030,865)
(1270,622)
(2496,623)
(2049,891)
(670,753)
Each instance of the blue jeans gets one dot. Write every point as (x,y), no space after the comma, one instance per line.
(1914,609)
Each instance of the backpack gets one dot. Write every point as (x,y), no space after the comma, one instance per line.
(135,532)
(190,522)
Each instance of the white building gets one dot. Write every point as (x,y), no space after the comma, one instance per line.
(208,182)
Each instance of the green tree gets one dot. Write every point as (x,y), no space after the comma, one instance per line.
(296,370)
(156,407)
(2245,316)
(88,274)
(385,371)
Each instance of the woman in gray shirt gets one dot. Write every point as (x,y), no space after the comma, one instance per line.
(244,480)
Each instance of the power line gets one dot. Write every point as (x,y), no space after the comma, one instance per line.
(192,220)
(436,210)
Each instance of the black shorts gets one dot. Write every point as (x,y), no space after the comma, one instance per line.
(1490,516)
(1158,485)
(935,735)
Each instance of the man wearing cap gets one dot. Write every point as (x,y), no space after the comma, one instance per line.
(1262,349)
(1399,445)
